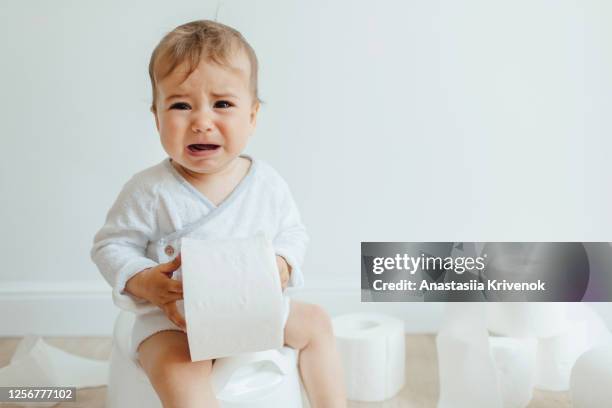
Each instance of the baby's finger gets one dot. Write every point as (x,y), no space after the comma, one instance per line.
(175,286)
(172,297)
(171,266)
(175,316)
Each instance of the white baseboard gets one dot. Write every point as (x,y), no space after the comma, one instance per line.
(74,308)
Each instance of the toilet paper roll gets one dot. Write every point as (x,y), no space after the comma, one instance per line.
(520,319)
(372,349)
(468,374)
(514,360)
(556,355)
(597,333)
(232,297)
(591,378)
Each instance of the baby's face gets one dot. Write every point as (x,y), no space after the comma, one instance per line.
(205,120)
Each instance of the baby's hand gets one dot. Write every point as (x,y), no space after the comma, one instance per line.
(157,286)
(284,271)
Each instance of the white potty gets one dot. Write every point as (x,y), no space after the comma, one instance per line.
(256,380)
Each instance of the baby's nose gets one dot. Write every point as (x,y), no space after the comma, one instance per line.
(203,122)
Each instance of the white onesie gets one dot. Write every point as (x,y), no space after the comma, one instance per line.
(158,207)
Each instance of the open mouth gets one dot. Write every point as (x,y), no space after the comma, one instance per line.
(202,147)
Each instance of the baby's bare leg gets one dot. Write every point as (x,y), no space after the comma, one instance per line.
(309,329)
(179,382)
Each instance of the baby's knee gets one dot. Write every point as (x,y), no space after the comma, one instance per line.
(179,382)
(166,360)
(307,324)
(319,321)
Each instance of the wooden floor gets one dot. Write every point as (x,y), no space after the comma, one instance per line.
(421,388)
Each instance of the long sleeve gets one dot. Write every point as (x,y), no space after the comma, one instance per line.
(291,240)
(119,247)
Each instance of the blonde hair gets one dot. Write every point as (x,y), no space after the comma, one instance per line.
(194,41)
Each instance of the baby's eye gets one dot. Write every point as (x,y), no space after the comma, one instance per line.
(180,106)
(222,104)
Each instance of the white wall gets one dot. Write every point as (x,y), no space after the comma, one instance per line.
(392,121)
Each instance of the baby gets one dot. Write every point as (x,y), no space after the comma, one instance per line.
(205,103)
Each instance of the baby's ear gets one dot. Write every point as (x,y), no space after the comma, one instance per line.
(254,111)
(156,119)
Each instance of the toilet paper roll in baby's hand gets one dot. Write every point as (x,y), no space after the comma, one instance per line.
(232,297)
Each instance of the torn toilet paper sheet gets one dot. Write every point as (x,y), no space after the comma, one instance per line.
(232,297)
(36,363)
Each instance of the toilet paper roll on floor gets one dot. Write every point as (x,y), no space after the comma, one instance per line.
(468,373)
(591,378)
(557,355)
(232,297)
(522,319)
(514,360)
(372,349)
